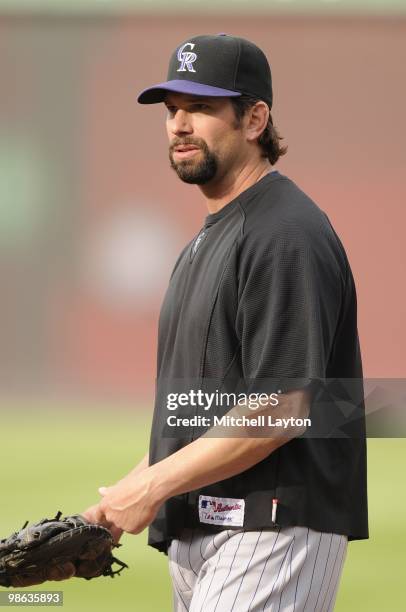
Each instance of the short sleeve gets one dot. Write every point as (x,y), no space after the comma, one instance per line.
(291,289)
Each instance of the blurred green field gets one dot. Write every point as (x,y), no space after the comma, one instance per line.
(56,462)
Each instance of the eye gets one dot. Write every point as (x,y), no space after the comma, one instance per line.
(200,106)
(171,110)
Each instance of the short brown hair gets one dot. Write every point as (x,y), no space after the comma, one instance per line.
(269,140)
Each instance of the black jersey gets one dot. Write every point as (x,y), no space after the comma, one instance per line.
(265,291)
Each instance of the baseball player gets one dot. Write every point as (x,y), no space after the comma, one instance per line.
(262,299)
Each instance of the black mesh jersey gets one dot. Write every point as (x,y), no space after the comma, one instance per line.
(265,291)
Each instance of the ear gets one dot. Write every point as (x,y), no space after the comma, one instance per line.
(257,119)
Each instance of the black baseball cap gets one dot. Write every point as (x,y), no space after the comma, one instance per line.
(218,65)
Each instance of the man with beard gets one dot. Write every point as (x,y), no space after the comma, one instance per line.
(263,300)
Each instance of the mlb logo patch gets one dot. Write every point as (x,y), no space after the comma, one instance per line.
(221,511)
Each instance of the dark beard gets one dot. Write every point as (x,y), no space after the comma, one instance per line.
(191,171)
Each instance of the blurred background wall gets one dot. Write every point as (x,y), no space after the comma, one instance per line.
(92,218)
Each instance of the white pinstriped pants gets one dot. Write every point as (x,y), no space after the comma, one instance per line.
(290,569)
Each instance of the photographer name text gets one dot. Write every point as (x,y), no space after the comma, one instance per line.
(234,421)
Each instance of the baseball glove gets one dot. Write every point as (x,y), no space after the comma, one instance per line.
(57,549)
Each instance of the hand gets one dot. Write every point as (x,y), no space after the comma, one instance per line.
(130,504)
(94,514)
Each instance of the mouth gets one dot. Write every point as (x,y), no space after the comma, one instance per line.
(185,151)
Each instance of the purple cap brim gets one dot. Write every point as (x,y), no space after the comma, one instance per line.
(157,93)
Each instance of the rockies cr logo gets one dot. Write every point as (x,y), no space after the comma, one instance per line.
(186,58)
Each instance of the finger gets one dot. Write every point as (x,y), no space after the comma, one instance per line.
(116,533)
(94,514)
(103,490)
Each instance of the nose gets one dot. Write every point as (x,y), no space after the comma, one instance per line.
(181,123)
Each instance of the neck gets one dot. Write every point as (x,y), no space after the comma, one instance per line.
(219,193)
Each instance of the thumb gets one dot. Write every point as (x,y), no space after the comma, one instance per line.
(103,490)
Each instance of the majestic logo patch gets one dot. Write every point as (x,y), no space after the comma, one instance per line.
(221,511)
(186,58)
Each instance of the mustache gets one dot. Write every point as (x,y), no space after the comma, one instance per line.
(187,140)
